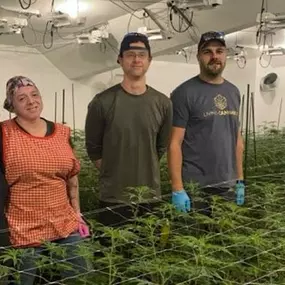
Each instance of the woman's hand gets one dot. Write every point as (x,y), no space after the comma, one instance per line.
(83,227)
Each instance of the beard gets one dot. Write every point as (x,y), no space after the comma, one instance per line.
(213,69)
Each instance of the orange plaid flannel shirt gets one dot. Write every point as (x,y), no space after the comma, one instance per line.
(37,169)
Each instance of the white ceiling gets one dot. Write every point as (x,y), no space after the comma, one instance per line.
(98,11)
(83,61)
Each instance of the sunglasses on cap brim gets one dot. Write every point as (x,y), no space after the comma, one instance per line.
(135,34)
(213,36)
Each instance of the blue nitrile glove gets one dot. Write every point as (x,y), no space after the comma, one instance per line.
(240,187)
(181,200)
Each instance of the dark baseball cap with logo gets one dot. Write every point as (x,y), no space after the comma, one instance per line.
(131,38)
(211,36)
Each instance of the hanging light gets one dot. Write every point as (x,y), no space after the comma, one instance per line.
(72,8)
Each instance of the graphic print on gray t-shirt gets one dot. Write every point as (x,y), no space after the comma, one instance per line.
(210,115)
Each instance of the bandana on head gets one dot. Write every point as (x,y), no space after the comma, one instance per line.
(13,84)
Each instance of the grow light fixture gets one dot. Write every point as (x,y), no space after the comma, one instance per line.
(235,52)
(197,4)
(83,39)
(275,51)
(267,17)
(155,34)
(156,37)
(94,36)
(270,21)
(26,13)
(61,20)
(162,33)
(12,25)
(72,7)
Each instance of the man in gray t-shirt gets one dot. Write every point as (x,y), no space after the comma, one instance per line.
(206,145)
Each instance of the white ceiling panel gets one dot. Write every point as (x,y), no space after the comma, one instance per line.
(81,61)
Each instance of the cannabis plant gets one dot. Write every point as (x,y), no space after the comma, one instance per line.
(230,245)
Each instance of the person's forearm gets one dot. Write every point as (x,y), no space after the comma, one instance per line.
(239,162)
(73,193)
(174,157)
(239,158)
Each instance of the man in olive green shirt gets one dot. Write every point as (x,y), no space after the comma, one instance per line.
(127,132)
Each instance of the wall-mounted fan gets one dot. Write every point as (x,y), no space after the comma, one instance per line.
(268,86)
(269,82)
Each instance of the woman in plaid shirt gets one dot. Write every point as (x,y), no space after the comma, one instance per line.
(41,171)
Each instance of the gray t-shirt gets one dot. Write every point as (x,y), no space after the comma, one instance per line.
(210,115)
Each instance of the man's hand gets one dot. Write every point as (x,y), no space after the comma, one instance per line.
(181,201)
(240,192)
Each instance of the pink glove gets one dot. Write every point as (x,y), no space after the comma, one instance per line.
(83,228)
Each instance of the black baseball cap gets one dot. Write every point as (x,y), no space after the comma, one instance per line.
(131,38)
(211,36)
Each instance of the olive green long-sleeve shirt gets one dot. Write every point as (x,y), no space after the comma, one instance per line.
(130,134)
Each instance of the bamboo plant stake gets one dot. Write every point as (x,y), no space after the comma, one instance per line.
(73,110)
(55,106)
(253,128)
(279,114)
(63,106)
(246,130)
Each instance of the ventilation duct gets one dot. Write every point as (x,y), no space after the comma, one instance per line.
(269,82)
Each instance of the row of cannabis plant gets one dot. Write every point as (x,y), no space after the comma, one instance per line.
(235,245)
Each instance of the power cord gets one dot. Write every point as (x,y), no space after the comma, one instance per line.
(182,18)
(241,62)
(50,32)
(259,30)
(34,32)
(26,4)
(260,60)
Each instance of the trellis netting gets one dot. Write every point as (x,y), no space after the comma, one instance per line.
(235,245)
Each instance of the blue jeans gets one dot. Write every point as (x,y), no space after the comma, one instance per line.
(78,263)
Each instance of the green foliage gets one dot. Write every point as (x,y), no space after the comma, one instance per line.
(270,152)
(88,175)
(236,245)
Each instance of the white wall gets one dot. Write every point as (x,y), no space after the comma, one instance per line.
(165,76)
(49,80)
(269,103)
(162,75)
(103,81)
